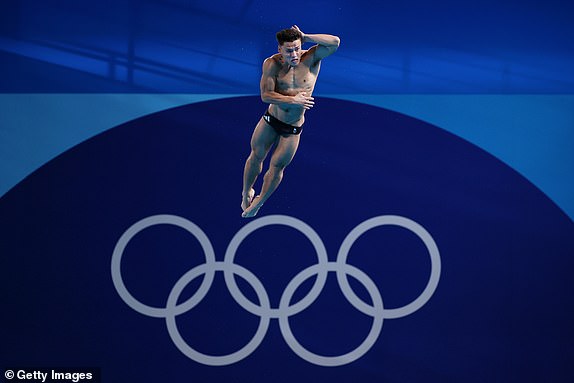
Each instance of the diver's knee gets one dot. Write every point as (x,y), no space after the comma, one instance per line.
(257,156)
(278,167)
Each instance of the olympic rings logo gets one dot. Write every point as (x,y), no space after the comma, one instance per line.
(285,310)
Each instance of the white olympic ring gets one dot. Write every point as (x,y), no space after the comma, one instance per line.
(285,309)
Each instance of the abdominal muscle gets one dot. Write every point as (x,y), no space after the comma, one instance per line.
(290,114)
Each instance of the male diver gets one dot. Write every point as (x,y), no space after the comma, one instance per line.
(287,84)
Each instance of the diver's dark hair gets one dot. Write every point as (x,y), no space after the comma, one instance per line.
(288,35)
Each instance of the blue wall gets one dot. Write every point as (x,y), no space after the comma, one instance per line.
(217,47)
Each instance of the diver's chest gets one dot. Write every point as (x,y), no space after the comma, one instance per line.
(295,78)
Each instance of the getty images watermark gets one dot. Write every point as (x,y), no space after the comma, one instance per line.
(61,375)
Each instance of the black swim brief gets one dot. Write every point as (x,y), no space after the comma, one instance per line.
(281,127)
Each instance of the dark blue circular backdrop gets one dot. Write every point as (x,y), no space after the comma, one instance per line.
(501,313)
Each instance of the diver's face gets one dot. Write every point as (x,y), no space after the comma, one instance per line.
(291,52)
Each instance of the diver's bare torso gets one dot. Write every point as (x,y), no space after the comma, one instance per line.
(290,81)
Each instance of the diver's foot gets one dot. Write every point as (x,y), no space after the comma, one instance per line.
(247,199)
(253,209)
